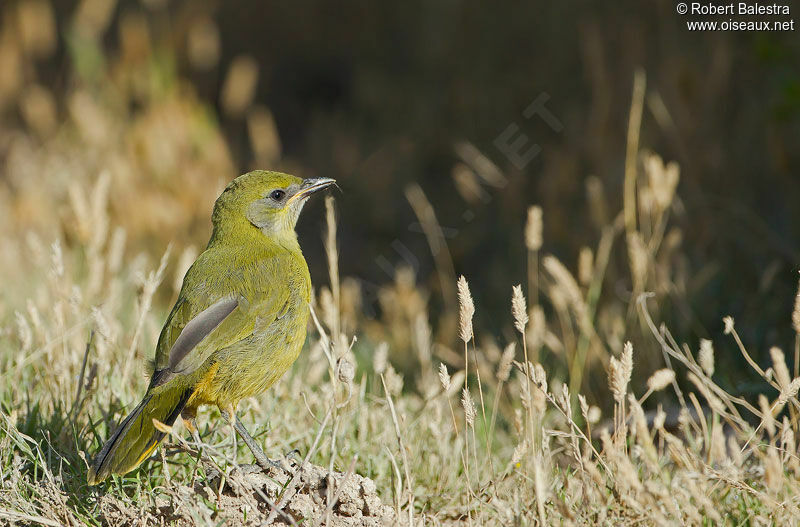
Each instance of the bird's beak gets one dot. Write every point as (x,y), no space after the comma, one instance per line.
(311,186)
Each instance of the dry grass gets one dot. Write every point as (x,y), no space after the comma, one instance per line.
(519,446)
(485,432)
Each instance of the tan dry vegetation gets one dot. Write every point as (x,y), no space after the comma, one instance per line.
(489,431)
(512,444)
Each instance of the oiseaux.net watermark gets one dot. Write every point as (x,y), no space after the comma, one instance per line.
(736,16)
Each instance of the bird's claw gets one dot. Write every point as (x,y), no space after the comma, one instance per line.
(268,463)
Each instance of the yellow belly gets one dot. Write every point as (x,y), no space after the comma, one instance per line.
(241,372)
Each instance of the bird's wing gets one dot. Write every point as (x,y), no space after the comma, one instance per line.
(191,335)
(222,324)
(199,328)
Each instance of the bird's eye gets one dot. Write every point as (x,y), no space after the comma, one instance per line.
(277,195)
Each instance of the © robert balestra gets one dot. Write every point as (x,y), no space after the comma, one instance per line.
(742,8)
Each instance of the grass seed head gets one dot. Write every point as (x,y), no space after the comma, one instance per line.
(539,377)
(467,309)
(24,333)
(659,419)
(663,179)
(519,452)
(660,379)
(519,309)
(620,371)
(519,427)
(56,260)
(593,415)
(538,327)
(787,438)
(585,266)
(380,358)
(779,367)
(627,361)
(444,377)
(584,406)
(773,470)
(728,321)
(469,407)
(394,381)
(533,228)
(101,324)
(789,392)
(706,356)
(767,418)
(504,369)
(564,400)
(565,282)
(615,382)
(717,449)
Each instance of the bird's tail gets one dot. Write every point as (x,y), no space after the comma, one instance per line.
(137,437)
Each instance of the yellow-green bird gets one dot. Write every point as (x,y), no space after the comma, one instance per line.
(238,324)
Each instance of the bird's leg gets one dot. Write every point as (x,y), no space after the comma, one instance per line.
(261,458)
(189,422)
(188,416)
(229,413)
(191,426)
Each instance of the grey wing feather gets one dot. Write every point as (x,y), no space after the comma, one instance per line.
(199,327)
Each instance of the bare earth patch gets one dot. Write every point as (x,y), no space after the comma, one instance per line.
(247,495)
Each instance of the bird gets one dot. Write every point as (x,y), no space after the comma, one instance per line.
(237,326)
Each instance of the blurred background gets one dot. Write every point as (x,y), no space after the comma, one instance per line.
(134,114)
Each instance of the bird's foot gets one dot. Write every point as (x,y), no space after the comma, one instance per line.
(293,455)
(266,463)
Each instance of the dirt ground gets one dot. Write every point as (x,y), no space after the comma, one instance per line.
(249,496)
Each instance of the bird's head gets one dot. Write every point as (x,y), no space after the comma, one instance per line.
(268,201)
